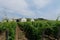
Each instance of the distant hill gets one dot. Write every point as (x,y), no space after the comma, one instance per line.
(40,19)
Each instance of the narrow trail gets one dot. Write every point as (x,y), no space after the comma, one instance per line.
(20,35)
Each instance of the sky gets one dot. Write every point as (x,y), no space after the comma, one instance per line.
(48,9)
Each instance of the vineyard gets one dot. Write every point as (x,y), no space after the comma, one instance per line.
(37,30)
(10,27)
(41,30)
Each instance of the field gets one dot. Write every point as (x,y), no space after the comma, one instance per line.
(37,30)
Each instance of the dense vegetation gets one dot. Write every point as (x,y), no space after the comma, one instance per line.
(10,28)
(36,30)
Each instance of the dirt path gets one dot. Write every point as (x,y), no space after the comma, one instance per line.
(20,34)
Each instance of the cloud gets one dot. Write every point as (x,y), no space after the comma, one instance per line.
(19,6)
(41,3)
(57,11)
(14,4)
(32,8)
(28,13)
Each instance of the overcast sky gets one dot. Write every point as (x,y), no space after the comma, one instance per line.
(48,9)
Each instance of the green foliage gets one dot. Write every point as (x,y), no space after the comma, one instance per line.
(35,30)
(10,26)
